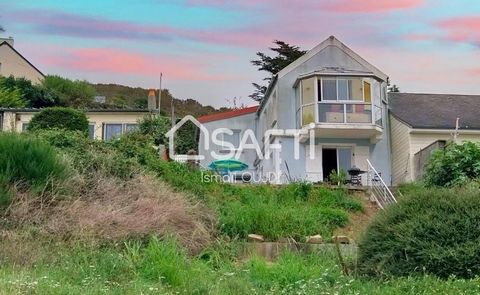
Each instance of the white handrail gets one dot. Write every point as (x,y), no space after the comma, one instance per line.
(382,194)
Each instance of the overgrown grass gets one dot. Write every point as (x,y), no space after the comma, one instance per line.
(27,163)
(160,267)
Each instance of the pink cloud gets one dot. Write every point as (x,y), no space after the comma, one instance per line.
(464,29)
(474,72)
(331,5)
(418,37)
(366,6)
(115,61)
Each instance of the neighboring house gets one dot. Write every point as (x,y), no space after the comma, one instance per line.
(421,123)
(238,121)
(103,124)
(12,63)
(332,91)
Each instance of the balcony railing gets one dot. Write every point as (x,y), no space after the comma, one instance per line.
(340,113)
(344,113)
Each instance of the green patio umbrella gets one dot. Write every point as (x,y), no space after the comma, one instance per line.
(227,165)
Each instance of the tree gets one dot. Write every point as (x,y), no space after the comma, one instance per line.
(11,98)
(71,93)
(60,118)
(34,96)
(286,54)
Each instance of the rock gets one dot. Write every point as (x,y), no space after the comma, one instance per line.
(316,239)
(255,238)
(341,239)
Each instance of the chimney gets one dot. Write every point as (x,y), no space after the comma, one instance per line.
(152,100)
(9,40)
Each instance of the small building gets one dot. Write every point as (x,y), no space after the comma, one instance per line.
(238,121)
(12,63)
(421,123)
(103,124)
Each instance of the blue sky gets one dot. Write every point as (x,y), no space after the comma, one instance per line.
(203,47)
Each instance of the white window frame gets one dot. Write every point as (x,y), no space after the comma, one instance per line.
(124,129)
(94,128)
(320,79)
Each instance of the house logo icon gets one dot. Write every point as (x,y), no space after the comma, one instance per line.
(171,139)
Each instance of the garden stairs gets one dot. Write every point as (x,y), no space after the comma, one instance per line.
(379,191)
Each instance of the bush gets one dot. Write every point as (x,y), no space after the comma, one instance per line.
(27,161)
(90,158)
(60,118)
(456,165)
(155,126)
(429,231)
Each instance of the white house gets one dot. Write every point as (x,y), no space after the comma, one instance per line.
(330,91)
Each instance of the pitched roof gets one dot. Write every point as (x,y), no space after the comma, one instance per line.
(18,53)
(333,41)
(330,41)
(228,114)
(436,111)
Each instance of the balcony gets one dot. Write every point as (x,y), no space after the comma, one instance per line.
(357,120)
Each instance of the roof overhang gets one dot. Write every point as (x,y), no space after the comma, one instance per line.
(443,131)
(333,74)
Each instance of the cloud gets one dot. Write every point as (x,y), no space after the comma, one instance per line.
(370,6)
(115,61)
(463,29)
(361,6)
(418,37)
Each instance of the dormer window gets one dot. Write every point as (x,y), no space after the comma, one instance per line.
(330,99)
(344,89)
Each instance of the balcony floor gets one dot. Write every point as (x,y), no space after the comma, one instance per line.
(351,130)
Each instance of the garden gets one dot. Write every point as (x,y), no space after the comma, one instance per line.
(89,217)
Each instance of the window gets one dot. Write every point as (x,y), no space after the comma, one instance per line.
(112,131)
(91,131)
(24,126)
(367,91)
(343,89)
(308,99)
(329,89)
(308,91)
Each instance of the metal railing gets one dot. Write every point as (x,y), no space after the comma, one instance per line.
(378,189)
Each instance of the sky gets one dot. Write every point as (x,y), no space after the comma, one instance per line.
(204,47)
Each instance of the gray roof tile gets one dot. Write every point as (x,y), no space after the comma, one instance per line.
(436,111)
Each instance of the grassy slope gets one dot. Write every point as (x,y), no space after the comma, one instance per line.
(46,264)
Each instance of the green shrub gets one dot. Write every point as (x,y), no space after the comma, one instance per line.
(27,161)
(11,98)
(432,231)
(155,126)
(60,118)
(456,165)
(90,157)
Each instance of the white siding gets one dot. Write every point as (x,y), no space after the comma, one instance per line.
(401,155)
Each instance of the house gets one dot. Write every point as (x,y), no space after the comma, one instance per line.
(421,123)
(12,63)
(335,98)
(104,124)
